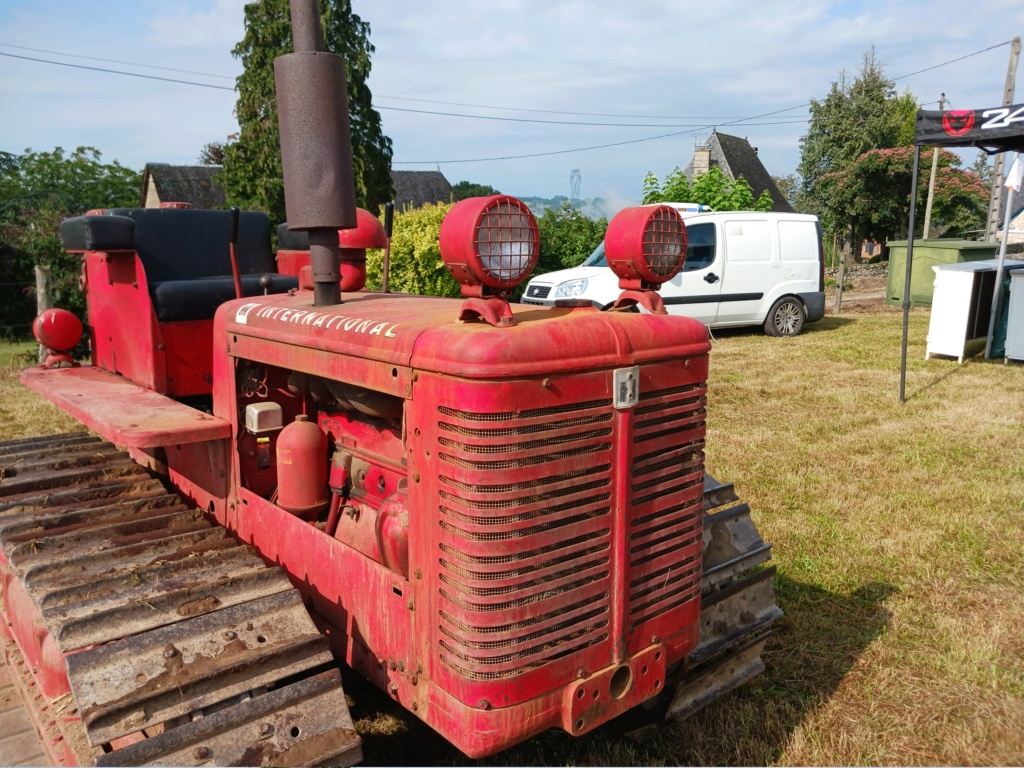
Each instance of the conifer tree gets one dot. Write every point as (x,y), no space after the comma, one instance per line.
(252,164)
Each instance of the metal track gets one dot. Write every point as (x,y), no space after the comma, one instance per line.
(183,647)
(737,605)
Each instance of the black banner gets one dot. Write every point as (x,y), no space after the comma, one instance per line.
(998,128)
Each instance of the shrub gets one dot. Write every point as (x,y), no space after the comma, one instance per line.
(416,265)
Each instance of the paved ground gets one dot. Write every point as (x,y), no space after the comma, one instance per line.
(19,744)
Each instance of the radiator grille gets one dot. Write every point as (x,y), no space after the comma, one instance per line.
(666,487)
(668,411)
(524,516)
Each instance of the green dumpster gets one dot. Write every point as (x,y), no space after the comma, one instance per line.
(927,254)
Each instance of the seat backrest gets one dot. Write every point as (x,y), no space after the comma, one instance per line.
(191,244)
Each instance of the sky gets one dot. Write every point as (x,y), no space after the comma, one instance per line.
(649,68)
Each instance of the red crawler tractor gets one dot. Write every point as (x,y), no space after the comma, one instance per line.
(497,514)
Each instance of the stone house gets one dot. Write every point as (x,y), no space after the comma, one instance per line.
(195,184)
(735,157)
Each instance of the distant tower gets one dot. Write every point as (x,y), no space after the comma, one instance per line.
(574,187)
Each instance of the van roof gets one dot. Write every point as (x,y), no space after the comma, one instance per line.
(686,207)
(772,215)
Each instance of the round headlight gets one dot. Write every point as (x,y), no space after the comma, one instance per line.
(646,244)
(490,241)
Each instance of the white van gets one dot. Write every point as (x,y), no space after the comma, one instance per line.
(741,268)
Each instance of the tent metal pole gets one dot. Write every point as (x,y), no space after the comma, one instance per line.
(906,279)
(997,292)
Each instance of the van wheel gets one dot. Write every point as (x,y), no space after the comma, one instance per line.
(786,318)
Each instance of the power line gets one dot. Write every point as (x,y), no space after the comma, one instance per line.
(568,122)
(117,72)
(430,101)
(952,61)
(115,61)
(393,109)
(680,133)
(556,111)
(379,96)
(554,152)
(738,121)
(450,103)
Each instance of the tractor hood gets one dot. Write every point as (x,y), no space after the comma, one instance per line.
(424,333)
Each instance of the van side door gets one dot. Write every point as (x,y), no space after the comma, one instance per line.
(694,292)
(751,266)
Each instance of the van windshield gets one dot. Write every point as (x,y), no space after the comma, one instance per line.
(700,249)
(597,259)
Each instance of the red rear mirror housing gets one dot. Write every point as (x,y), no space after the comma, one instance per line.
(368,232)
(352,244)
(59,331)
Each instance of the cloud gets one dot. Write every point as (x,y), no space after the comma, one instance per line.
(215,25)
(700,63)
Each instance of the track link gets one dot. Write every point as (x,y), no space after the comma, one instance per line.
(737,605)
(181,645)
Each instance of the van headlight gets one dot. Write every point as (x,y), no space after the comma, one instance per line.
(571,288)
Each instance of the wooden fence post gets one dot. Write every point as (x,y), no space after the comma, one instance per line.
(840,278)
(44,299)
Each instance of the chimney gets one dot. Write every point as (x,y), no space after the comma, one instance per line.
(701,159)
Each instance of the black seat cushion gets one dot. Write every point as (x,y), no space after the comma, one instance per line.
(98,233)
(188,244)
(175,300)
(287,240)
(186,254)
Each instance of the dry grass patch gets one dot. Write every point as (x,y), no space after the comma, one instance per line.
(22,412)
(923,502)
(898,533)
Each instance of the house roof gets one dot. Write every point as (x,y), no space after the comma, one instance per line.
(735,157)
(416,188)
(196,184)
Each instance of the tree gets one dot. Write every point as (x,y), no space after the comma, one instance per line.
(981,168)
(712,188)
(567,238)
(72,182)
(37,190)
(212,153)
(465,189)
(789,185)
(875,192)
(856,116)
(252,164)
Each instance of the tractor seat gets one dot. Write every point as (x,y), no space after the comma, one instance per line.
(185,254)
(198,299)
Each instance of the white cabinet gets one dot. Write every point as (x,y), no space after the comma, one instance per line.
(961,305)
(1015,317)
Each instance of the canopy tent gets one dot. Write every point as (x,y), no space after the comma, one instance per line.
(999,129)
(994,130)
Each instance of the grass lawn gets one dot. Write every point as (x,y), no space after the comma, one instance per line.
(899,537)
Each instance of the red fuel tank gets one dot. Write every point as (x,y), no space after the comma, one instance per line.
(302,468)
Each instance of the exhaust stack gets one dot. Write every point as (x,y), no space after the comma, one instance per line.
(316,147)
